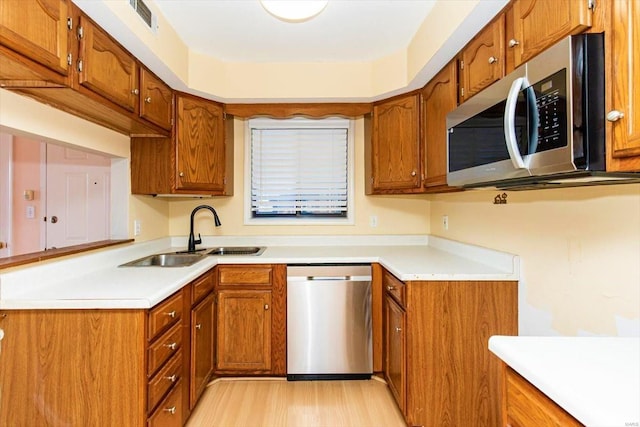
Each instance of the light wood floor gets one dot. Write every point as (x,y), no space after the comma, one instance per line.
(270,402)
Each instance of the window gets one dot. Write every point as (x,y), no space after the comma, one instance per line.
(299,170)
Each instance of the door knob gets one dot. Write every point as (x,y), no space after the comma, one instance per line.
(513,43)
(54,219)
(614,115)
(493,60)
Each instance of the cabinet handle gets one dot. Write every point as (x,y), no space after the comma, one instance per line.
(181,174)
(171,314)
(147,100)
(135,91)
(513,43)
(614,115)
(391,288)
(413,173)
(493,60)
(199,326)
(171,410)
(266,306)
(172,346)
(398,329)
(172,378)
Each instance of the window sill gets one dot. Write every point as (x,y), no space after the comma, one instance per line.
(34,257)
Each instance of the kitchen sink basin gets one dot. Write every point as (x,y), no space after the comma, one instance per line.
(165,260)
(236,250)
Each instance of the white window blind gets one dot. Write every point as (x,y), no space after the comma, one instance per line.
(299,170)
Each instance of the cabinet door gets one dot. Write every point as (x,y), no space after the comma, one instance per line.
(396,145)
(438,99)
(625,78)
(244,330)
(539,24)
(38,30)
(395,351)
(156,103)
(106,68)
(482,60)
(202,341)
(200,145)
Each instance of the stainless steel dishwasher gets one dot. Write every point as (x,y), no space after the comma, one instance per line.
(329,322)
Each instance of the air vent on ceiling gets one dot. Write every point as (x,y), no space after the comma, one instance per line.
(143,10)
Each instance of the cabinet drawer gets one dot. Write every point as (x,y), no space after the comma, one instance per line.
(201,288)
(164,314)
(249,275)
(529,407)
(169,413)
(166,378)
(165,347)
(395,288)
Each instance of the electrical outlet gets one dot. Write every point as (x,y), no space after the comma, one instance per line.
(31,212)
(445,222)
(373,221)
(137,227)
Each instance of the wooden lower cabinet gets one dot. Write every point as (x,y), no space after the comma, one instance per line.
(251,320)
(526,406)
(450,377)
(395,355)
(202,347)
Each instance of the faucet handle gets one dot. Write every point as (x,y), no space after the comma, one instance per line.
(198,240)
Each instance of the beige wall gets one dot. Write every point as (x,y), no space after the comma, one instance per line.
(26,176)
(396,214)
(580,251)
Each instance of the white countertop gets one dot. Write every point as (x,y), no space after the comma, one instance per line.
(595,379)
(95,280)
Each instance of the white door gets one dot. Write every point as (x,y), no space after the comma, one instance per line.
(6,150)
(78,194)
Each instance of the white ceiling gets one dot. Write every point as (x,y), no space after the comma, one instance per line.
(346,31)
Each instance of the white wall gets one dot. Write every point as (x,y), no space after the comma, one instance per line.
(580,251)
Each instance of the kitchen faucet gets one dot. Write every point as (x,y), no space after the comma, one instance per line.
(192,240)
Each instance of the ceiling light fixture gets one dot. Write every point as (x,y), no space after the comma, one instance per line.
(294,10)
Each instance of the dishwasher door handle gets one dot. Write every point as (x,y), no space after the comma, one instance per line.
(333,278)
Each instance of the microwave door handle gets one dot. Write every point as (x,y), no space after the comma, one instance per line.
(509,123)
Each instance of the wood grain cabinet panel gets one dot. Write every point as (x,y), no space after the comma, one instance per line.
(170,412)
(164,380)
(164,348)
(624,80)
(200,145)
(244,330)
(156,100)
(528,407)
(450,377)
(482,61)
(395,146)
(106,68)
(202,347)
(439,97)
(539,24)
(395,355)
(38,30)
(164,314)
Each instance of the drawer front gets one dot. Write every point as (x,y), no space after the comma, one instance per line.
(166,378)
(529,407)
(170,411)
(394,287)
(164,348)
(164,314)
(201,288)
(245,275)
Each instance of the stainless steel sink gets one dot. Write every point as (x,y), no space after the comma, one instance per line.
(237,250)
(165,260)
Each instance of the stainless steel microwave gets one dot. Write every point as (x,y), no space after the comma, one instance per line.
(542,124)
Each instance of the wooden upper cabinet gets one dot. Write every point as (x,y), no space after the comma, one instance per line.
(538,24)
(395,151)
(482,61)
(439,97)
(624,78)
(38,30)
(105,67)
(156,99)
(200,145)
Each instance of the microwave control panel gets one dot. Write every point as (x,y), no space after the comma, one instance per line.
(551,100)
